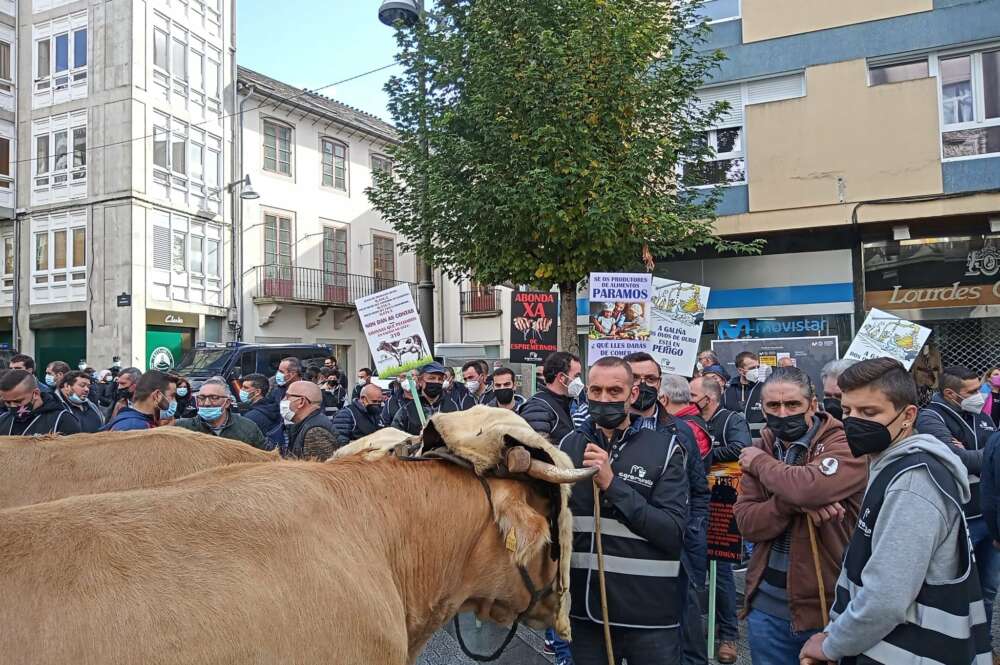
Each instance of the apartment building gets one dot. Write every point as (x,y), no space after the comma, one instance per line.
(114,157)
(863,143)
(311,242)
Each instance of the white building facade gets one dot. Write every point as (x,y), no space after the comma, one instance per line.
(115,152)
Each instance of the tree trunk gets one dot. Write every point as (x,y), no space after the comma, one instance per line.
(568,340)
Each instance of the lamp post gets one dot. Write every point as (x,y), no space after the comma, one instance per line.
(409,12)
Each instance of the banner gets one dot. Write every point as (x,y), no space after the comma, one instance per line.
(534,328)
(678,315)
(885,335)
(724,540)
(619,314)
(392,326)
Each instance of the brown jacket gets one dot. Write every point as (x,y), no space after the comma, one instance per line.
(773,496)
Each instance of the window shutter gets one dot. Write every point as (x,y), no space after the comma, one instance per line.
(161,248)
(775,89)
(728,93)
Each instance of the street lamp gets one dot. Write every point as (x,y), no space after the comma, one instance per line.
(409,12)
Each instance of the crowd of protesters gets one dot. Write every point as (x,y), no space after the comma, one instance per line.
(871,524)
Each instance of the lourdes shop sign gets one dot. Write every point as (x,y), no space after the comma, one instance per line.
(933,272)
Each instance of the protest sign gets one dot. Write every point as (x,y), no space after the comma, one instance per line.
(533,326)
(619,314)
(724,540)
(886,335)
(678,315)
(392,326)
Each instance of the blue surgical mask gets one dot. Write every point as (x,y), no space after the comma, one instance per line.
(170,410)
(279,378)
(50,380)
(244,396)
(76,399)
(209,413)
(182,392)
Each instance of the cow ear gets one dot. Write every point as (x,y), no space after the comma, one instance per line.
(523,530)
(430,436)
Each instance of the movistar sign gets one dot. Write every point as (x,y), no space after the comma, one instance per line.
(757,328)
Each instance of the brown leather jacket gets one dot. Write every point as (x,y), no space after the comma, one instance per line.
(773,496)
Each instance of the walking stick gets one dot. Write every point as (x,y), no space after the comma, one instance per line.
(819,572)
(600,575)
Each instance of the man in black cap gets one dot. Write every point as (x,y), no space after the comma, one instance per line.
(430,385)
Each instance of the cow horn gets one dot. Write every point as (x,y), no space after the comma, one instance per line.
(553,474)
(518,459)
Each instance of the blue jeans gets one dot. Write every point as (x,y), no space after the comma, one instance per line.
(772,640)
(728,629)
(561,648)
(988,563)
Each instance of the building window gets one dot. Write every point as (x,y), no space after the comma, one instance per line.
(8,262)
(60,145)
(334,251)
(970,104)
(278,246)
(61,53)
(277,148)
(714,11)
(726,166)
(184,64)
(186,161)
(334,165)
(381,164)
(383,260)
(6,80)
(59,251)
(5,175)
(898,72)
(186,259)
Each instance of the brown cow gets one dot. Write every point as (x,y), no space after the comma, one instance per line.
(33,470)
(308,563)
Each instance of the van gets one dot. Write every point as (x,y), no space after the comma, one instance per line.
(237,359)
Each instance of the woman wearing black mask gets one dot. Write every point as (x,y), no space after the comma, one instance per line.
(800,469)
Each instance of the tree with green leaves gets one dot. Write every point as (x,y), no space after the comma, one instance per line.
(542,141)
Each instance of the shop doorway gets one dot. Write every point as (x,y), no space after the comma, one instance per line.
(66,344)
(165,346)
(974,343)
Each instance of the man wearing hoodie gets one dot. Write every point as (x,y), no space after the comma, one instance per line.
(255,407)
(154,393)
(955,417)
(29,411)
(908,591)
(743,392)
(801,468)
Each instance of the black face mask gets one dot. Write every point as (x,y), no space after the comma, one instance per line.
(504,395)
(646,398)
(608,415)
(433,390)
(123,393)
(868,437)
(373,410)
(788,428)
(832,406)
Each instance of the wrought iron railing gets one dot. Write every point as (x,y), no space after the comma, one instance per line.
(480,301)
(313,286)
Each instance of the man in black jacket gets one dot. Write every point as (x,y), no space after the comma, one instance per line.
(364,379)
(644,505)
(29,411)
(254,406)
(955,417)
(360,417)
(547,411)
(430,383)
(730,434)
(743,392)
(310,433)
(74,393)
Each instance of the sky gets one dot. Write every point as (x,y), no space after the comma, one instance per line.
(311,43)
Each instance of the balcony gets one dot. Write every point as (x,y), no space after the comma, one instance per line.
(315,288)
(480,303)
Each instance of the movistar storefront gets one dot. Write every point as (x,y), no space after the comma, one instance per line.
(949,284)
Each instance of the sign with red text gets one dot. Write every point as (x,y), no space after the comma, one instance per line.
(533,326)
(724,540)
(392,326)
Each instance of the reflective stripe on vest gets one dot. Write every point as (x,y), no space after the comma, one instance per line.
(626,566)
(609,527)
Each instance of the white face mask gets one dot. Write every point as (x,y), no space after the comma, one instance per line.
(575,387)
(473,386)
(753,375)
(361,382)
(698,366)
(286,411)
(446,384)
(974,403)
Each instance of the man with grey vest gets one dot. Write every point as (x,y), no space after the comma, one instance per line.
(909,590)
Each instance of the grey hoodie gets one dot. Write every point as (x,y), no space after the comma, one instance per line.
(915,540)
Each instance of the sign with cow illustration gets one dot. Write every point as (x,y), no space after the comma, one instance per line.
(533,326)
(678,315)
(392,326)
